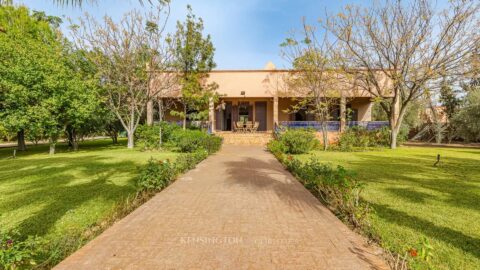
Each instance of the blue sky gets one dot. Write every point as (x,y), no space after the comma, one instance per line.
(245,33)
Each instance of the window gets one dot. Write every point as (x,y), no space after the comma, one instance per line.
(243,111)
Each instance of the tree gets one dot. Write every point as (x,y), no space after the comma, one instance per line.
(123,53)
(29,65)
(315,79)
(467,120)
(44,92)
(193,60)
(396,49)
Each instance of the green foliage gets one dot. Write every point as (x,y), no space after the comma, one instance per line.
(42,89)
(156,175)
(148,136)
(189,141)
(296,141)
(188,161)
(194,59)
(449,99)
(277,148)
(338,188)
(467,120)
(16,253)
(361,138)
(407,197)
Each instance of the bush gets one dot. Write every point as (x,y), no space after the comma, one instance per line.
(277,148)
(338,188)
(296,141)
(156,175)
(467,120)
(189,141)
(360,137)
(148,136)
(188,161)
(15,253)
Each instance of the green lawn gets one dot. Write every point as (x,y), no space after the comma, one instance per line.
(64,194)
(412,198)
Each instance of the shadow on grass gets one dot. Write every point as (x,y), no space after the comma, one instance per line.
(62,147)
(447,235)
(58,186)
(455,177)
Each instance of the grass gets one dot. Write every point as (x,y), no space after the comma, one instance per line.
(412,199)
(65,194)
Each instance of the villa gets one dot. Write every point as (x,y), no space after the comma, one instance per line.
(260,96)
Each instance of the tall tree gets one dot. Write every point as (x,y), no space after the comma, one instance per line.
(193,60)
(123,53)
(467,119)
(29,64)
(405,46)
(315,80)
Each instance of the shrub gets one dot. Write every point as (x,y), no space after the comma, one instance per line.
(338,188)
(156,175)
(212,143)
(189,141)
(188,161)
(277,148)
(297,141)
(148,136)
(360,137)
(15,253)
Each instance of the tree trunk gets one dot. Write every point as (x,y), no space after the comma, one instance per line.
(393,139)
(184,117)
(130,143)
(52,148)
(325,135)
(114,136)
(21,140)
(75,145)
(160,120)
(70,137)
(438,133)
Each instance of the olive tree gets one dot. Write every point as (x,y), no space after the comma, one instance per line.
(315,80)
(124,53)
(409,44)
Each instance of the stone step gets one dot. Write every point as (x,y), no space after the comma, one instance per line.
(238,138)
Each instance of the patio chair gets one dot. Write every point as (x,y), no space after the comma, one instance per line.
(255,126)
(239,126)
(248,126)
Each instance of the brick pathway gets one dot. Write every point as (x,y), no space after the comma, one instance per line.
(239,209)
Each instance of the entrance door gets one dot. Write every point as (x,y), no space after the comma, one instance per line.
(223,117)
(261,115)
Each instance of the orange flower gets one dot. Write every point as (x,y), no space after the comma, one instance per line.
(413,252)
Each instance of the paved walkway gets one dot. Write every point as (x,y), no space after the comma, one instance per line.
(239,209)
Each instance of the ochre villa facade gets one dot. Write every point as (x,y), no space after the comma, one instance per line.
(261,96)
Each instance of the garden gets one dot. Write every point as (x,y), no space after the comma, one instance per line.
(85,152)
(422,212)
(52,205)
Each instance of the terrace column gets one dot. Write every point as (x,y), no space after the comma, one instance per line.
(150,112)
(275,111)
(343,113)
(211,114)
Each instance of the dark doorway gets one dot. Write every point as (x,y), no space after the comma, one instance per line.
(223,117)
(300,115)
(261,115)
